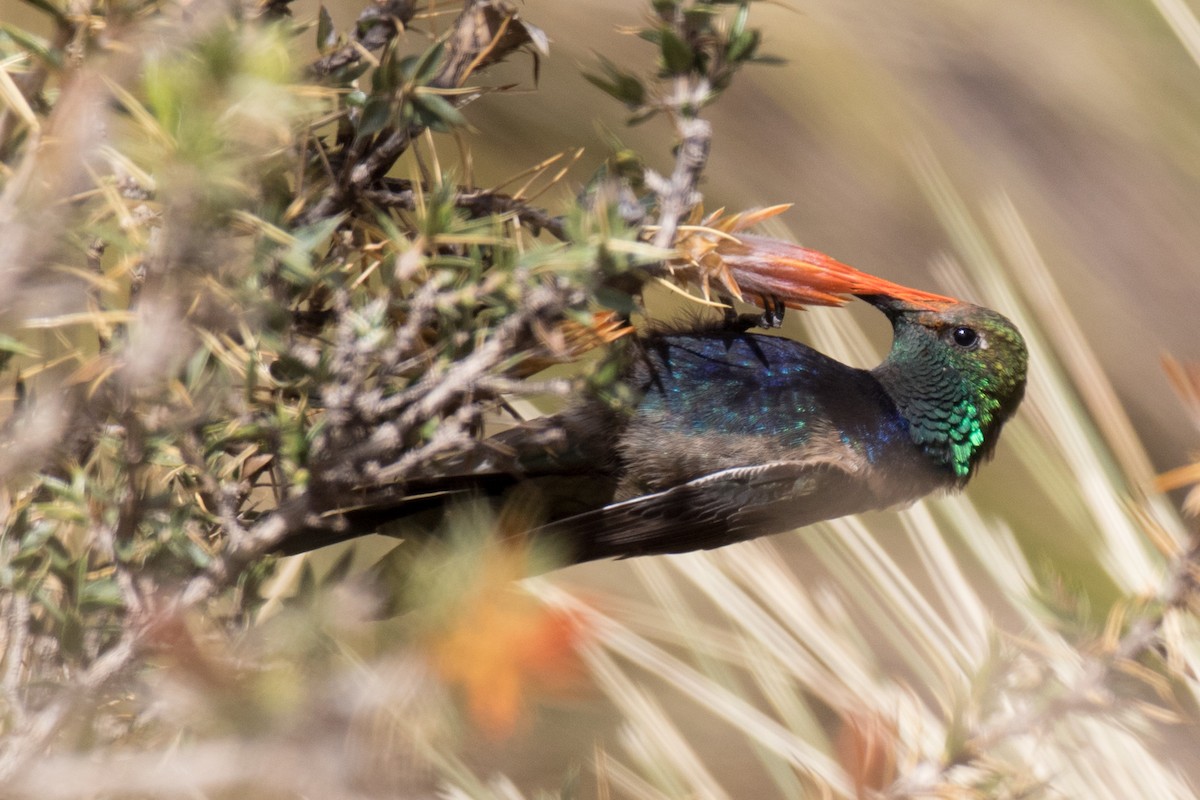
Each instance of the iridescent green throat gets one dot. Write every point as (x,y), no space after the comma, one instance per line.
(952,400)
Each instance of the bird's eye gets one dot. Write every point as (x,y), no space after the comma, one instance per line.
(965,337)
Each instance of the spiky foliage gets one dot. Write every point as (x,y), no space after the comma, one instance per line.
(222,316)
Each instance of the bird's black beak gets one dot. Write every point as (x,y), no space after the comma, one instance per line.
(891,306)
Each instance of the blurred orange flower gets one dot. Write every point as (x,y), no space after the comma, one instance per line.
(501,647)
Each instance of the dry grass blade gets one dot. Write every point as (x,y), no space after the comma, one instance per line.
(720,701)
(12,96)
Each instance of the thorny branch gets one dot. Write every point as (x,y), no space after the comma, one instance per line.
(678,194)
(477,202)
(379,23)
(350,447)
(395,370)
(30,739)
(485,32)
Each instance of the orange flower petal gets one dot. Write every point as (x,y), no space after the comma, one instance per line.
(500,647)
(767,267)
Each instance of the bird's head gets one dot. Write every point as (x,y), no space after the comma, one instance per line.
(957,372)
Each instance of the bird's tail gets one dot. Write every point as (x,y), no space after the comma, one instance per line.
(535,473)
(415,510)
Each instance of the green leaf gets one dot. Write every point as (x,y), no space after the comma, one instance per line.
(396,74)
(326,34)
(34,44)
(438,110)
(49,604)
(739,21)
(387,76)
(348,73)
(101,594)
(622,85)
(59,556)
(376,114)
(769,60)
(10,345)
(678,56)
(638,117)
(33,541)
(700,18)
(615,299)
(425,67)
(297,261)
(742,46)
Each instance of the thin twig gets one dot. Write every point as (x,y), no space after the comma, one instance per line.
(29,740)
(679,194)
(379,23)
(17,623)
(481,36)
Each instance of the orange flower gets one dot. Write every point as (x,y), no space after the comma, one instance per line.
(499,646)
(713,250)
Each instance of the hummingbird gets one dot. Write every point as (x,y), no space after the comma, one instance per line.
(732,435)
